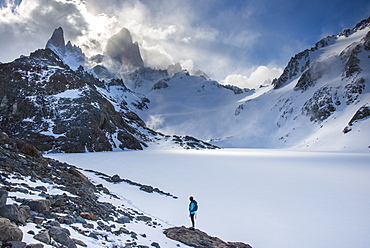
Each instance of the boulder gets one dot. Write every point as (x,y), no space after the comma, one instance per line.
(79,242)
(43,237)
(15,244)
(88,216)
(78,174)
(38,245)
(39,206)
(88,225)
(61,237)
(14,213)
(9,231)
(54,229)
(199,239)
(123,220)
(116,179)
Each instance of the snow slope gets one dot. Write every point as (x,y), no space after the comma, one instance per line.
(191,105)
(267,198)
(308,107)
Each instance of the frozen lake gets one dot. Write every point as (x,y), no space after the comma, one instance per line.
(267,198)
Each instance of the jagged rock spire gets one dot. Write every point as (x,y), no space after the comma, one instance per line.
(121,48)
(56,42)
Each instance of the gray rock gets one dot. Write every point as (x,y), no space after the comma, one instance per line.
(69,220)
(39,206)
(123,220)
(147,188)
(61,237)
(42,188)
(9,231)
(79,242)
(143,218)
(38,220)
(13,213)
(55,229)
(197,238)
(38,245)
(3,197)
(43,237)
(23,190)
(15,244)
(116,179)
(81,220)
(156,245)
(54,223)
(93,235)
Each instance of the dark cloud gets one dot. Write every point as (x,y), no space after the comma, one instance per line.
(28,25)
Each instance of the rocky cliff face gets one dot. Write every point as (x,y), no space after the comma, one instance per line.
(58,109)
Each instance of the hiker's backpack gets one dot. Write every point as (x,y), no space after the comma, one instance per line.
(195,206)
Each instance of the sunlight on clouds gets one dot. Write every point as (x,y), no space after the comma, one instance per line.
(187,64)
(261,76)
(155,55)
(167,32)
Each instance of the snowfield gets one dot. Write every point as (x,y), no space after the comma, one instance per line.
(267,198)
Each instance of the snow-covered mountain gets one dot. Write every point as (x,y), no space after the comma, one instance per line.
(321,100)
(57,109)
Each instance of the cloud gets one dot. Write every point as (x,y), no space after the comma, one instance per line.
(27,26)
(199,34)
(261,76)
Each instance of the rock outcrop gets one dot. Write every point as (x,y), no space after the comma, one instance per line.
(57,43)
(199,239)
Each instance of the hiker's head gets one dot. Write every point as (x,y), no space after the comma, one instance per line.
(191,198)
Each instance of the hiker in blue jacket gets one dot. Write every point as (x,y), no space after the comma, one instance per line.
(193,207)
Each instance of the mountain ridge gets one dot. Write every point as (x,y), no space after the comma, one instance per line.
(321,89)
(59,109)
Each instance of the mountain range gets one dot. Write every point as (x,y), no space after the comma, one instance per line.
(61,101)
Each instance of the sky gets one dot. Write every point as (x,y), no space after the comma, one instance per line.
(241,42)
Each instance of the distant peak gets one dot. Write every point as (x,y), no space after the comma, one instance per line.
(121,48)
(56,42)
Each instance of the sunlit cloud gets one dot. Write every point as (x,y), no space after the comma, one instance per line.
(263,75)
(222,38)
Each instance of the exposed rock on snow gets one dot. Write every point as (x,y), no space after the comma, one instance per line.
(56,218)
(117,179)
(199,239)
(362,114)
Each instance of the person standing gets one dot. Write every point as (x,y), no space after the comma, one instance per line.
(193,207)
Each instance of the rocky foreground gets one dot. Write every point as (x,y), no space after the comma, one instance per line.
(199,239)
(53,204)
